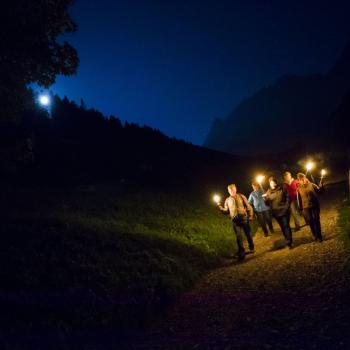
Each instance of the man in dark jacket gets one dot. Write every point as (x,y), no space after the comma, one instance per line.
(240,211)
(309,204)
(278,200)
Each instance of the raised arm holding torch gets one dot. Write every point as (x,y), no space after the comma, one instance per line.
(217,199)
(323,174)
(260,179)
(309,166)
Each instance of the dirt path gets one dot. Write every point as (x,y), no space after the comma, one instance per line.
(277,298)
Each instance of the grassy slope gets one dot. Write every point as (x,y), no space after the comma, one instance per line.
(103,258)
(344,223)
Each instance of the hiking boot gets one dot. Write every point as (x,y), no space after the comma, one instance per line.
(241,257)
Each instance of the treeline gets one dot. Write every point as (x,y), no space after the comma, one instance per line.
(76,144)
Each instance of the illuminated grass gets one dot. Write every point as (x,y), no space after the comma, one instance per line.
(344,223)
(106,258)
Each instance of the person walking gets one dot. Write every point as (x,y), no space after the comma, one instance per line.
(262,211)
(240,212)
(310,205)
(291,185)
(278,200)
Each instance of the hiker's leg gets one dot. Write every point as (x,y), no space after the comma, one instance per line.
(268,219)
(286,230)
(239,238)
(262,222)
(248,234)
(310,218)
(306,215)
(317,223)
(295,215)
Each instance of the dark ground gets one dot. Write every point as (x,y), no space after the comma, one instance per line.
(277,298)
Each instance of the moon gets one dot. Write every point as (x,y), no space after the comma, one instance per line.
(44,100)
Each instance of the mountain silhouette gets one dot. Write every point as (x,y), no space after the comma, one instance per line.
(296,109)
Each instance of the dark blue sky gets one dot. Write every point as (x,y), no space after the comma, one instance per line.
(177,65)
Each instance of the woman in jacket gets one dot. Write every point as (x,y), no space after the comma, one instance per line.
(278,200)
(310,205)
(261,210)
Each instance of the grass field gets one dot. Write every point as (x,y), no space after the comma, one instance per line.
(103,257)
(344,223)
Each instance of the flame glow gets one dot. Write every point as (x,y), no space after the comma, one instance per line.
(216,198)
(309,166)
(260,179)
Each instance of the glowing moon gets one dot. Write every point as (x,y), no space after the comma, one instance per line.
(44,100)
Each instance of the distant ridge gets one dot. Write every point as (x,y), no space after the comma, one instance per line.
(294,110)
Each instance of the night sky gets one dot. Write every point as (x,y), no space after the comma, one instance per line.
(177,65)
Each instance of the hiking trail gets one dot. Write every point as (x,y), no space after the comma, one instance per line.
(276,298)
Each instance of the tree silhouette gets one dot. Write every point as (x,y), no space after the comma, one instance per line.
(30,51)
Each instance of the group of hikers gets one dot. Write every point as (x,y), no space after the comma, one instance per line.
(280,201)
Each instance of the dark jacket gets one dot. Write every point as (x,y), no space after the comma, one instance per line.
(278,200)
(307,195)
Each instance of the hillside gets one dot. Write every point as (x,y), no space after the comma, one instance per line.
(76,145)
(81,262)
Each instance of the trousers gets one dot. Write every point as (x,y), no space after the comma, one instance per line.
(283,222)
(265,219)
(295,214)
(312,217)
(240,226)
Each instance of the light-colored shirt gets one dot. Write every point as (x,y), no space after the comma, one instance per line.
(257,201)
(238,206)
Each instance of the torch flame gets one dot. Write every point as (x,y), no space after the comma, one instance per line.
(216,198)
(309,166)
(260,179)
